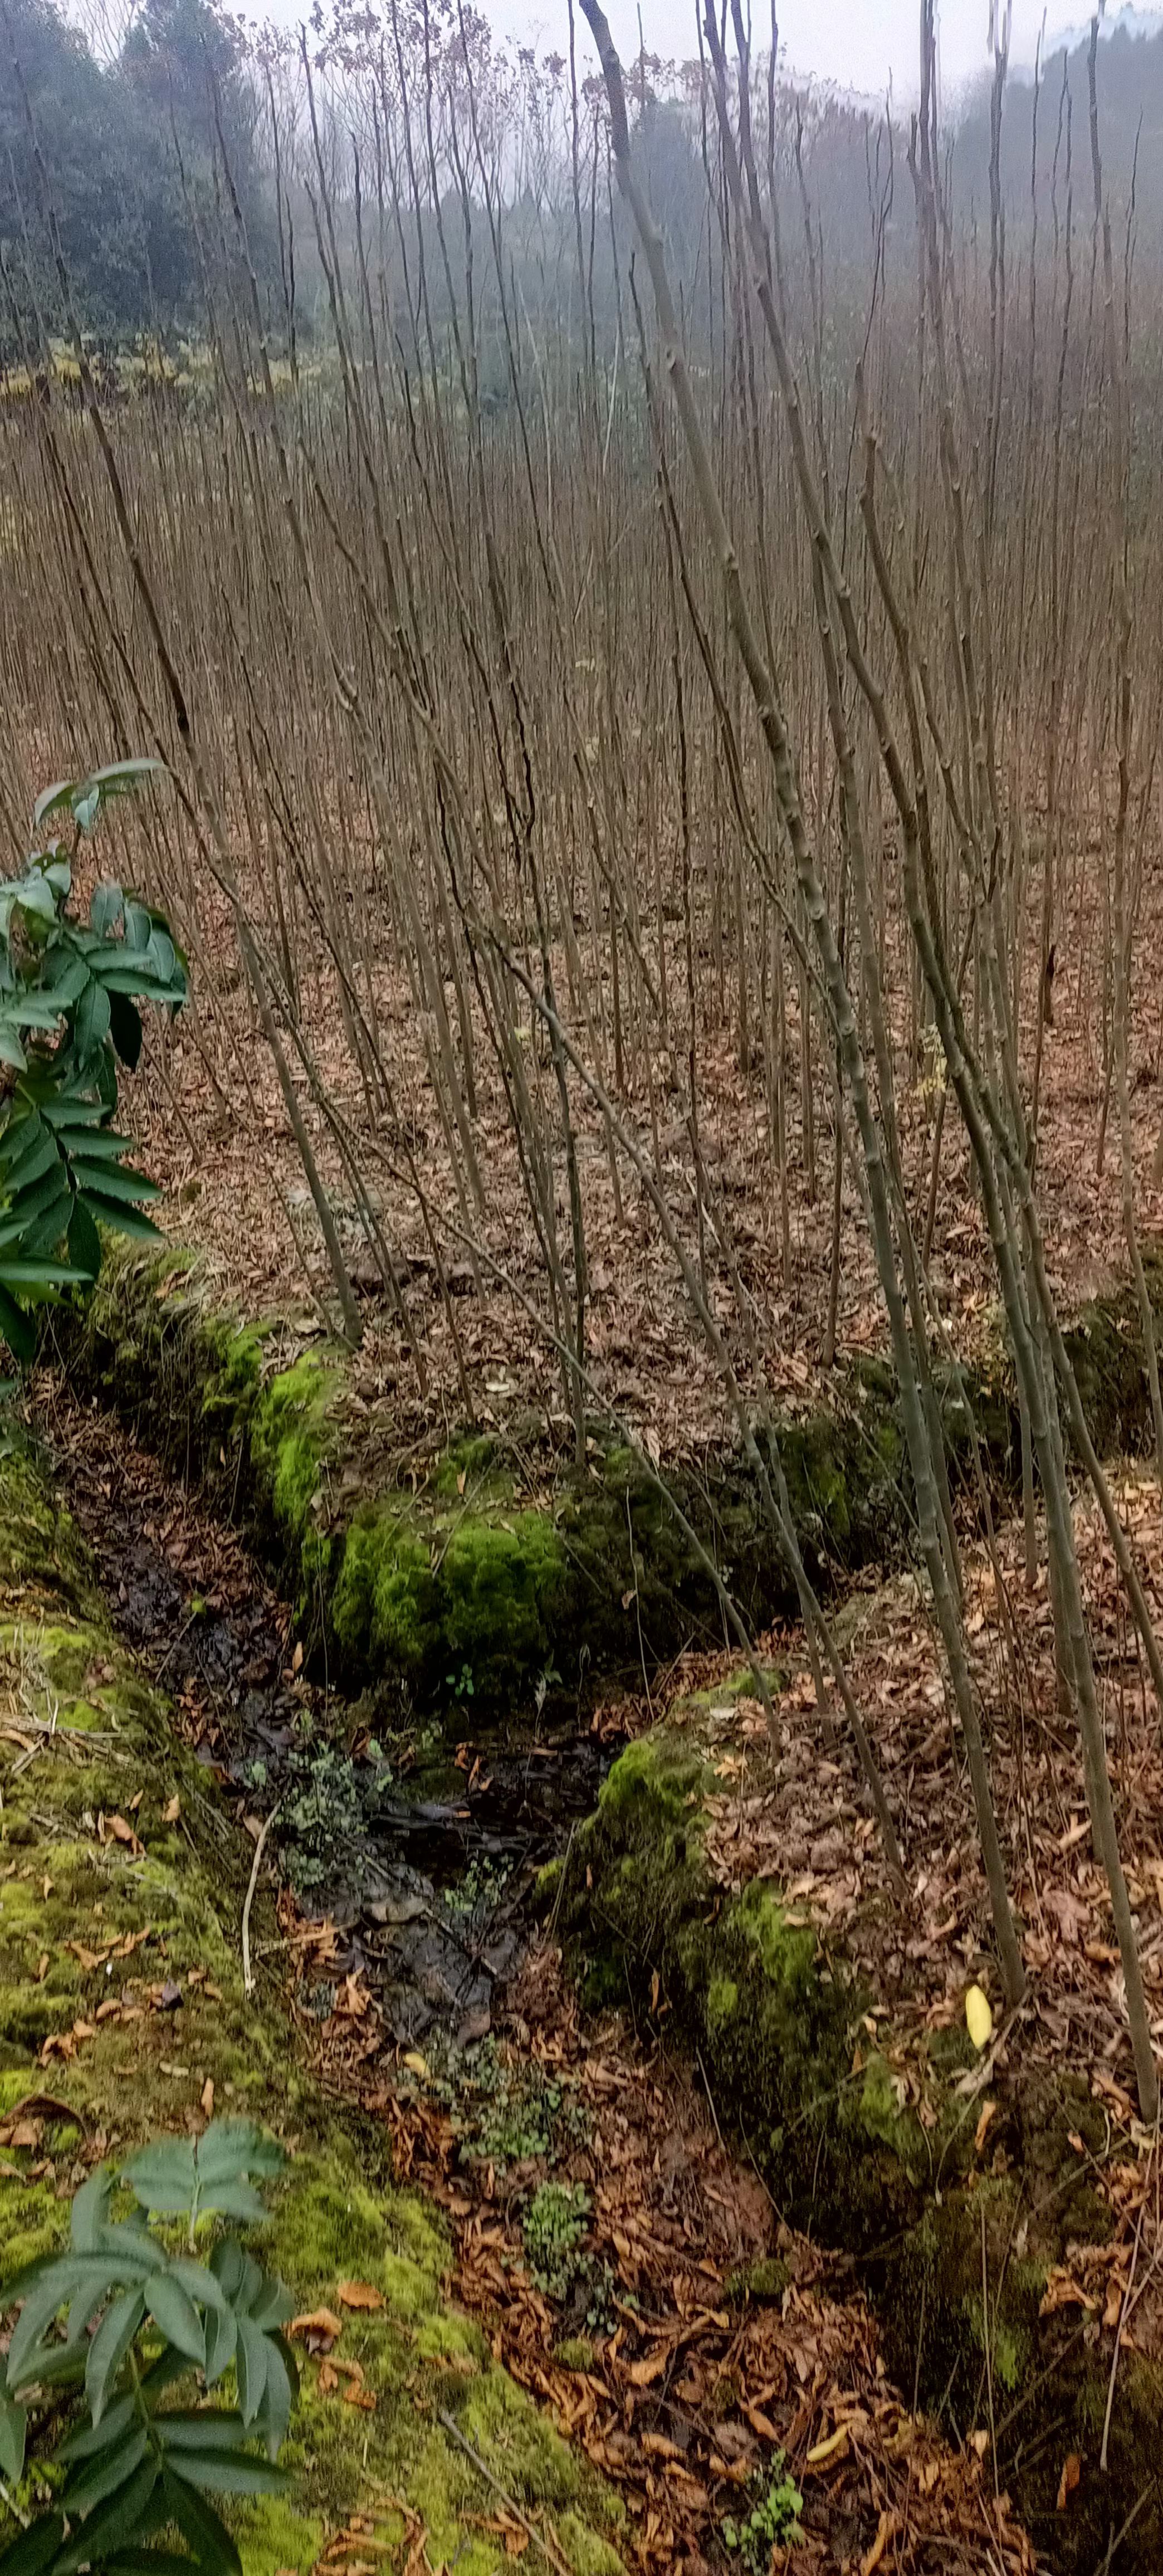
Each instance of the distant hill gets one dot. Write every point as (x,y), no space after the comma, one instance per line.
(1130,105)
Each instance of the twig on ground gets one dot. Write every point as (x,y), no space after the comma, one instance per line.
(252,1883)
(552,2557)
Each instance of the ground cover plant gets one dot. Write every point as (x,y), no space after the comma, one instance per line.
(145,2317)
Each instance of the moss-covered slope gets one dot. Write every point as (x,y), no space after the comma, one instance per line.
(958,2235)
(121,2002)
(460,1574)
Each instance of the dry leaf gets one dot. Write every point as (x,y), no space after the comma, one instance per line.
(829,2449)
(987,2112)
(171,1813)
(207,2098)
(122,1832)
(978,2017)
(359,2294)
(320,2328)
(884,2532)
(1071,2473)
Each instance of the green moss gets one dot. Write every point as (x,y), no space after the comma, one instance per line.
(338,2213)
(457,1582)
(470,1607)
(764,2282)
(290,1436)
(722,2001)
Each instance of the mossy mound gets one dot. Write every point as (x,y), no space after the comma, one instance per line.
(956,2243)
(121,1876)
(461,1578)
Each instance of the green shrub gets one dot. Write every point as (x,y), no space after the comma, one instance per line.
(145,2321)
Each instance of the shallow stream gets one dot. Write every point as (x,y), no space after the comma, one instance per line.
(420,1850)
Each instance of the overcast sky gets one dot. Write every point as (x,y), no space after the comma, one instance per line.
(859,43)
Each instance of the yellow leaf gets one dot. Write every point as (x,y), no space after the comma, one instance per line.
(359,2294)
(822,2451)
(416,2064)
(978,2017)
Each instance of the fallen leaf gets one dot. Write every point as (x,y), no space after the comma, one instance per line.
(171,1813)
(987,2112)
(829,2449)
(884,2533)
(320,2328)
(207,2098)
(978,2017)
(122,1832)
(359,2294)
(1071,2473)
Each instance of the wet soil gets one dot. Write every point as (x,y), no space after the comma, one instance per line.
(421,1851)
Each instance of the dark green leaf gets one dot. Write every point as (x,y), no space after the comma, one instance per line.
(162,2176)
(110,1183)
(36,898)
(201,2526)
(221,2339)
(113,2523)
(250,2362)
(229,2472)
(13,2426)
(109,2347)
(84,1240)
(177,2317)
(230,2147)
(106,909)
(123,1219)
(100,2477)
(234,2200)
(65,975)
(90,2212)
(278,2396)
(34,2550)
(19,1334)
(90,2438)
(198,2281)
(200,2428)
(91,1023)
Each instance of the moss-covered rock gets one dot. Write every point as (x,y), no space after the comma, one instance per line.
(457,1574)
(120,1873)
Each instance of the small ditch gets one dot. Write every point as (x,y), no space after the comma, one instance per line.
(423,1856)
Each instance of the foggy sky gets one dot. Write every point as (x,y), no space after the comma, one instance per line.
(861,44)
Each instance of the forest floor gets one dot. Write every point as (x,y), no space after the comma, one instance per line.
(212,1126)
(682,2333)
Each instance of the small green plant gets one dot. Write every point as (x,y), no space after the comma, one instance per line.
(774,2517)
(554,2225)
(331,1801)
(69,1016)
(460,1684)
(143,2317)
(505,2112)
(480,1889)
